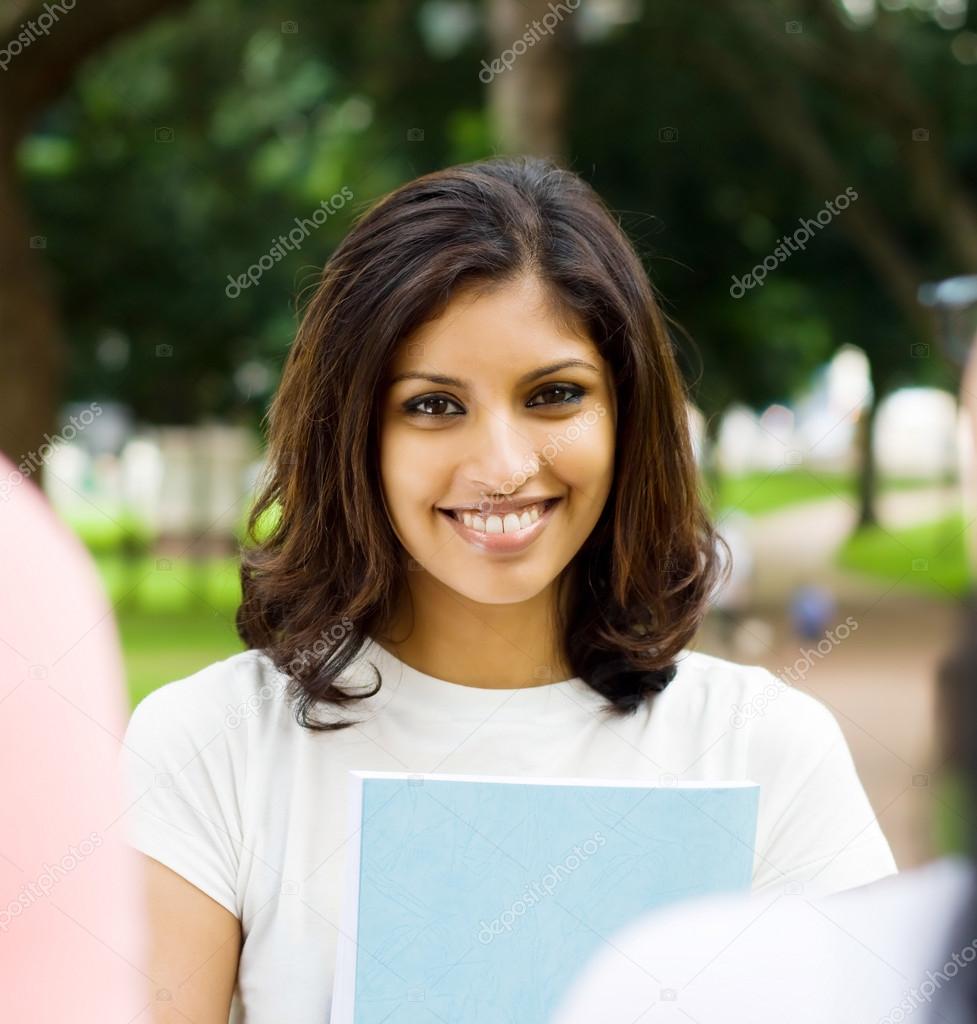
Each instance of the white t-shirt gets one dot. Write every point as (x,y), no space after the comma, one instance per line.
(880,954)
(231,793)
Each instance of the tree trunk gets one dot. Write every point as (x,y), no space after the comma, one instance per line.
(32,352)
(867,470)
(31,348)
(527,94)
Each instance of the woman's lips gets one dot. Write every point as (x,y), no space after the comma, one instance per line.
(502,542)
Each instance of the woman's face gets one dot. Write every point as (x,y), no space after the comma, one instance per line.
(482,410)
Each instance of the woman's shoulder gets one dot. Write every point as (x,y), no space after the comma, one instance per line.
(222,693)
(744,695)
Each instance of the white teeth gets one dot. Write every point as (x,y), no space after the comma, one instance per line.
(509,523)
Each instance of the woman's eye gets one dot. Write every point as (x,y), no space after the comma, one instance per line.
(566,394)
(417,406)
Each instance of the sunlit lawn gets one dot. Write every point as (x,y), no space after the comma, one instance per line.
(758,493)
(930,557)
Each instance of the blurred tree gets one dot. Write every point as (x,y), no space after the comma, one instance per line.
(211,154)
(757,114)
(42,45)
(805,82)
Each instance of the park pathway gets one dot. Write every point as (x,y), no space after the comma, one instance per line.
(797,545)
(880,681)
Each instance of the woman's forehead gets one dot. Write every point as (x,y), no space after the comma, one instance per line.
(513,324)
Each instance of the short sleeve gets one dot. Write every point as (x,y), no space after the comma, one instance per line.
(816,825)
(183,777)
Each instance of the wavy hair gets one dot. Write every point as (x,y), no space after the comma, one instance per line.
(321,567)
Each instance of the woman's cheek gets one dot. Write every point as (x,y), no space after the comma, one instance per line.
(588,459)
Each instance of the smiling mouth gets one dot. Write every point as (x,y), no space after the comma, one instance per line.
(501,523)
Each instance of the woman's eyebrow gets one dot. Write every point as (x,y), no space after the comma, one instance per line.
(526,378)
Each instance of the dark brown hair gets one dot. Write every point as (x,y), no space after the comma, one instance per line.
(329,568)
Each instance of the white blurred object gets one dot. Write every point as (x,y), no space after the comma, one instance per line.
(697,431)
(916,434)
(204,481)
(734,595)
(752,639)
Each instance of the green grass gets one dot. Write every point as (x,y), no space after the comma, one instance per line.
(161,584)
(159,648)
(759,493)
(174,616)
(930,557)
(955,831)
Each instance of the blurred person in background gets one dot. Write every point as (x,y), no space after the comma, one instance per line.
(901,948)
(812,610)
(72,918)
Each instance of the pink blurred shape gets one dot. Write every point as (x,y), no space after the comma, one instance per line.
(72,937)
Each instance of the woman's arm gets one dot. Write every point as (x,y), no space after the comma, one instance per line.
(184,769)
(193,951)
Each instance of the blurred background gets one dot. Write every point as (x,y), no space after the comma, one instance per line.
(174,173)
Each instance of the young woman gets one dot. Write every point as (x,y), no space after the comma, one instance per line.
(480,549)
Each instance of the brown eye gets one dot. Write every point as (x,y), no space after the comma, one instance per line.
(416,407)
(572,393)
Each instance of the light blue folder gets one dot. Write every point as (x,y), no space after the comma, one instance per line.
(478,899)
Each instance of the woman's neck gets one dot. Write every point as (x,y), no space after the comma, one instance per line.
(451,637)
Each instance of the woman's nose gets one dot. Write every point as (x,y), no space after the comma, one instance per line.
(501,457)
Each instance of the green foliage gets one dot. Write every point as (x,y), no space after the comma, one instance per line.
(707,193)
(182,153)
